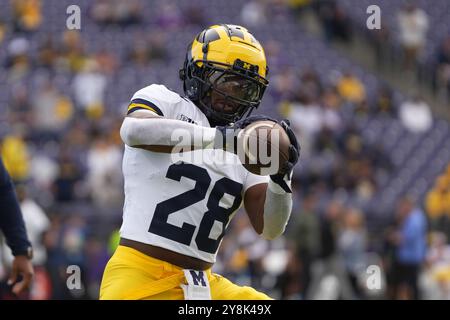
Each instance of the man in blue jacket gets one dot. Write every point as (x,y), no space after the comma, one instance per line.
(13,228)
(410,241)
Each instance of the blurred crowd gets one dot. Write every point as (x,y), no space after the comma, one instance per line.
(329,244)
(60,142)
(407,41)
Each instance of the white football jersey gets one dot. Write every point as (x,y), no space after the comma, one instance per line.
(180,205)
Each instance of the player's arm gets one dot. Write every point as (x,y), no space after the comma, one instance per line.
(11,220)
(147,130)
(13,227)
(269,205)
(148,126)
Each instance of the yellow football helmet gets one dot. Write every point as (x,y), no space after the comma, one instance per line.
(225,73)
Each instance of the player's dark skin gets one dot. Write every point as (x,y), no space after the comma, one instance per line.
(254,199)
(21,266)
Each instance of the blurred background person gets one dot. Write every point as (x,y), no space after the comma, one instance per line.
(415,115)
(307,240)
(410,242)
(13,228)
(413,24)
(36,224)
(352,244)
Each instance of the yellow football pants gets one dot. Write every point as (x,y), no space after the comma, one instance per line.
(132,275)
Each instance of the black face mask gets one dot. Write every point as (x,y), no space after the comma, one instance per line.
(225,93)
(230,96)
(235,87)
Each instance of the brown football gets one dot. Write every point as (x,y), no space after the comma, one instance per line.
(263,147)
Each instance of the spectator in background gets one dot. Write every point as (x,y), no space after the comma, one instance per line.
(47,54)
(2,31)
(352,150)
(14,151)
(27,15)
(19,106)
(107,62)
(306,119)
(71,55)
(285,83)
(331,102)
(51,110)
(234,254)
(255,249)
(336,24)
(389,259)
(253,13)
(328,229)
(442,73)
(140,53)
(288,281)
(437,205)
(438,267)
(383,53)
(410,242)
(330,266)
(384,102)
(351,88)
(65,187)
(43,171)
(325,11)
(89,89)
(102,12)
(56,265)
(310,84)
(415,115)
(144,52)
(352,245)
(307,239)
(97,257)
(413,26)
(158,44)
(326,142)
(73,236)
(18,61)
(117,12)
(126,12)
(365,182)
(104,179)
(342,28)
(75,141)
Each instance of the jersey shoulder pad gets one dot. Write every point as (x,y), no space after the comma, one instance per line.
(156,98)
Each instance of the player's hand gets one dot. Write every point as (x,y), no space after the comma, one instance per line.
(21,266)
(294,154)
(226,136)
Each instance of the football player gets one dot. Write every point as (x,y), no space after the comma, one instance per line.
(176,212)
